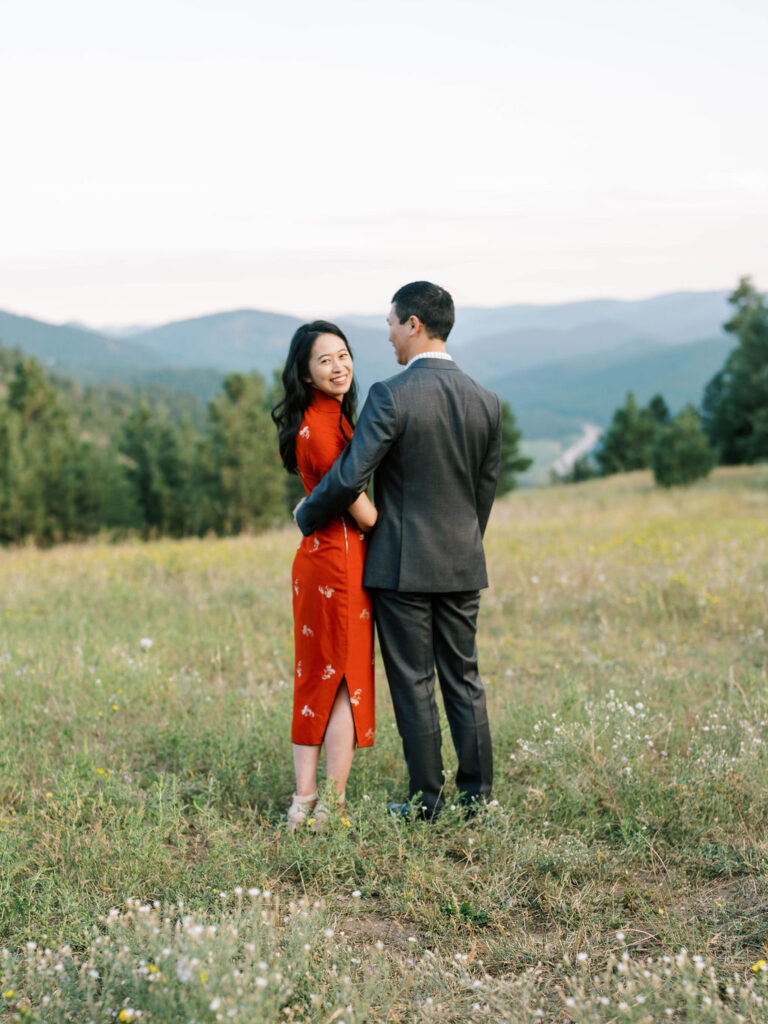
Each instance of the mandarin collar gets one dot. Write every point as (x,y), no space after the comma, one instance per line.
(321,402)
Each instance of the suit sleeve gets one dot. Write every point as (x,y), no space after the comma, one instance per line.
(374,435)
(489,473)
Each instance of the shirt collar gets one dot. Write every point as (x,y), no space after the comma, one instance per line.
(429,355)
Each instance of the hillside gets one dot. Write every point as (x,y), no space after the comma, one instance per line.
(555,400)
(75,351)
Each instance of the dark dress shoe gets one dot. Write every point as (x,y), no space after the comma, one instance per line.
(409,812)
(398,810)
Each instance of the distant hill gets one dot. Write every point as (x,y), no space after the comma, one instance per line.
(249,339)
(201,382)
(487,357)
(672,318)
(244,339)
(555,400)
(75,351)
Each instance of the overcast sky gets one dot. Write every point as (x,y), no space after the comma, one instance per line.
(168,158)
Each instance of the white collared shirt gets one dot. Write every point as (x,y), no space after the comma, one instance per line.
(429,355)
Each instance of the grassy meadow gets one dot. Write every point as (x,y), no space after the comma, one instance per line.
(620,874)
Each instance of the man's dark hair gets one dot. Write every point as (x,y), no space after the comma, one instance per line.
(429,302)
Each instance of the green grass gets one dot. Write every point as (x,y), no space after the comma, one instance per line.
(624,651)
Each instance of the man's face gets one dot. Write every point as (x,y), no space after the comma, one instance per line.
(399,336)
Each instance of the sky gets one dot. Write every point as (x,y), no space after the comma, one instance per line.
(169,158)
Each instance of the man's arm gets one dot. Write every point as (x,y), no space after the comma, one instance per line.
(489,474)
(375,433)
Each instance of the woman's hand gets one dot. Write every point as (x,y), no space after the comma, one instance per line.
(364,512)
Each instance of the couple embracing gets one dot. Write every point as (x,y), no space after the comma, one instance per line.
(412,561)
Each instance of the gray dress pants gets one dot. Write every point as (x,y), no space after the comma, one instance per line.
(418,633)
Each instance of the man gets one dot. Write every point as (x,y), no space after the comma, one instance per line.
(433,437)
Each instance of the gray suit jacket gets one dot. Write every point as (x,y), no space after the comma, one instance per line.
(432,436)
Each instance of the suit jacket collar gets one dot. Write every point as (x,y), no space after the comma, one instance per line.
(433,364)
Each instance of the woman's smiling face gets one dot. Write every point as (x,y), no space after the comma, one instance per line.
(330,366)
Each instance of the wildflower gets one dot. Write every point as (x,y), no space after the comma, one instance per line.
(183,972)
(761,965)
(620,936)
(582,957)
(145,643)
(346,822)
(356,894)
(127,1013)
(328,933)
(9,994)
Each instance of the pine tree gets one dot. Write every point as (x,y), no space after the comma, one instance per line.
(38,488)
(681,451)
(628,442)
(735,403)
(156,469)
(243,473)
(512,462)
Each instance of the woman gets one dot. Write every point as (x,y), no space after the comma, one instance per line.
(333,696)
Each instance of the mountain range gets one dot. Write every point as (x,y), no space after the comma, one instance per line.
(558,365)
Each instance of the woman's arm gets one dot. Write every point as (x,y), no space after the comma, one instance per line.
(364,512)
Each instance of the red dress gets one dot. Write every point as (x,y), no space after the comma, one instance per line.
(332,623)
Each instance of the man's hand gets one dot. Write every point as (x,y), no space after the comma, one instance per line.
(297,508)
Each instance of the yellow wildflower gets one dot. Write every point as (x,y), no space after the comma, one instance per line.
(759,966)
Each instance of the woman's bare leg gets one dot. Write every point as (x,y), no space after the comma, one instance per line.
(305,762)
(339,740)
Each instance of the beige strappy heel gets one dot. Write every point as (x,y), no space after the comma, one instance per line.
(299,811)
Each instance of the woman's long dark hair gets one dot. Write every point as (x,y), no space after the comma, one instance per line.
(288,412)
